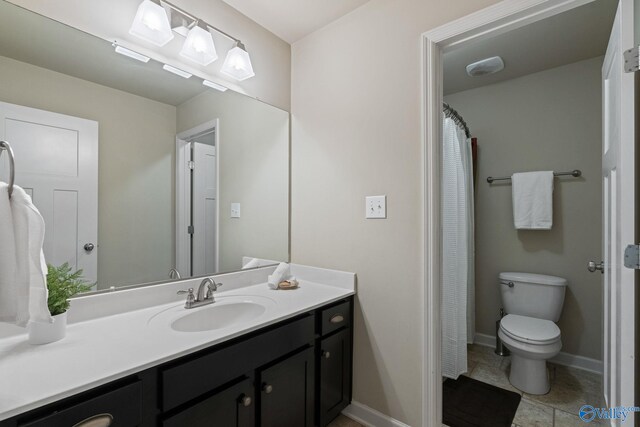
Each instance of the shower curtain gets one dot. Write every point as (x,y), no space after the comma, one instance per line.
(458,312)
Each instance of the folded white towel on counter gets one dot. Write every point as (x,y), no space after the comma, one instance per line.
(26,290)
(533,200)
(282,272)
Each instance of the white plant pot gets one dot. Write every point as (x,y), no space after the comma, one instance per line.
(45,333)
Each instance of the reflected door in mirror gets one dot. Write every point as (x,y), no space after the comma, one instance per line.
(57,164)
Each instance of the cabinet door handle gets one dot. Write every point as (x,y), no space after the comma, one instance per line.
(267,388)
(100,420)
(245,400)
(326,354)
(336,318)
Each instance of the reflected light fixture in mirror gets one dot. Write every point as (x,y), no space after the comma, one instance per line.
(237,64)
(151,24)
(213,85)
(131,54)
(176,71)
(199,46)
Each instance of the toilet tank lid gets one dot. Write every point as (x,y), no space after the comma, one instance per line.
(542,279)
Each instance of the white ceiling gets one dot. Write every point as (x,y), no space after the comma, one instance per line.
(291,20)
(572,36)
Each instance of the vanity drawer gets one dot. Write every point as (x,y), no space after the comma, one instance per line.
(117,408)
(336,317)
(204,373)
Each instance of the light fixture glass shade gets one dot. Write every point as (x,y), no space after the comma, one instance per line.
(199,46)
(151,24)
(237,64)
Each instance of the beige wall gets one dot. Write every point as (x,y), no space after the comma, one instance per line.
(111,19)
(544,121)
(356,132)
(254,171)
(135,179)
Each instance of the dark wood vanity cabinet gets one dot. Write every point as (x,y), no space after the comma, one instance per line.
(296,373)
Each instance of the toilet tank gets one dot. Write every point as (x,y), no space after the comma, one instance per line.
(533,295)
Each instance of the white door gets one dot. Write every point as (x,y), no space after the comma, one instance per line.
(618,171)
(56,160)
(204,209)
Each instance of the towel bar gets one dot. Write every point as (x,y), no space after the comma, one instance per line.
(576,173)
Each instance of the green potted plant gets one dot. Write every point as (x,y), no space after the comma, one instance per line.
(62,283)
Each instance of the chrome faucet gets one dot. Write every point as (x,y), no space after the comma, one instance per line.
(201,298)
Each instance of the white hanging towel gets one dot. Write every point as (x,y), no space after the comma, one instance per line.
(27,290)
(533,200)
(8,289)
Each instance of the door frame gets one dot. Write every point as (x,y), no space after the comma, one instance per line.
(500,18)
(183,193)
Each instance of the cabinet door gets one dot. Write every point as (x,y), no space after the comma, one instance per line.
(231,407)
(286,392)
(335,375)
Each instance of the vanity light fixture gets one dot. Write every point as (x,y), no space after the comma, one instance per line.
(199,46)
(237,64)
(156,20)
(131,54)
(176,71)
(213,85)
(151,24)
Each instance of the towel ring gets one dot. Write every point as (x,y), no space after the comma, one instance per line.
(5,146)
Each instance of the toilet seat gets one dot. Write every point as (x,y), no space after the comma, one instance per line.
(529,329)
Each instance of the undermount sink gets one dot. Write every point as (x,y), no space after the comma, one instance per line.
(217,316)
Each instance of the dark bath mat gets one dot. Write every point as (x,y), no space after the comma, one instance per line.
(470,403)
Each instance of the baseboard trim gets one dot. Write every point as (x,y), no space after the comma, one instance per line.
(370,417)
(565,359)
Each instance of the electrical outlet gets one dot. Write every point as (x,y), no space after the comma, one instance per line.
(376,207)
(235,210)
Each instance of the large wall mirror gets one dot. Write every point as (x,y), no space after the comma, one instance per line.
(140,174)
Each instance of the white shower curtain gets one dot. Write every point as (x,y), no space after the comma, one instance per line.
(458,312)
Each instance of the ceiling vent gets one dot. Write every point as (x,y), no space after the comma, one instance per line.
(485,66)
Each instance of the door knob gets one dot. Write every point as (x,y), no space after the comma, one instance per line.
(245,400)
(593,266)
(89,247)
(267,388)
(326,354)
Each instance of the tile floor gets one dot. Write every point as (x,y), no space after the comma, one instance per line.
(343,421)
(570,389)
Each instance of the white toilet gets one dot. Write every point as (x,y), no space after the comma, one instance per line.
(533,303)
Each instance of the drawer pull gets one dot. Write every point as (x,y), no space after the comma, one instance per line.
(245,400)
(100,420)
(326,354)
(337,318)
(267,388)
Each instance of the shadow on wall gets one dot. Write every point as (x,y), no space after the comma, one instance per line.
(376,378)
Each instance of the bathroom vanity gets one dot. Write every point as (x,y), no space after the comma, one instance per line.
(288,366)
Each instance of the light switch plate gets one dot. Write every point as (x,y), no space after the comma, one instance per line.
(376,207)
(235,210)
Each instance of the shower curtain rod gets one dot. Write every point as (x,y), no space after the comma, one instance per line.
(456,117)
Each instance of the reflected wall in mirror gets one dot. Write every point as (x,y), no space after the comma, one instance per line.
(136,170)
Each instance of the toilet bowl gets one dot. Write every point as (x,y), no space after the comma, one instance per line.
(532,342)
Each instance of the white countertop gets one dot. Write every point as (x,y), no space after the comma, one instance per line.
(99,350)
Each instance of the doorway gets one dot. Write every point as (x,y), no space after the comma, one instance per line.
(197,207)
(491,22)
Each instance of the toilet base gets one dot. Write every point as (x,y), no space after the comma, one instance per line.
(529,375)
